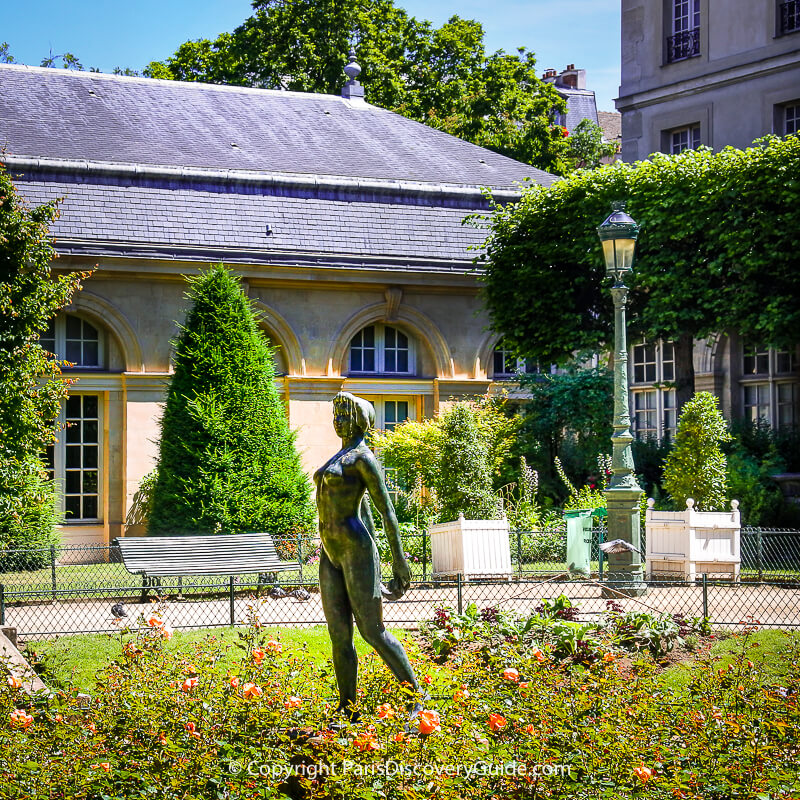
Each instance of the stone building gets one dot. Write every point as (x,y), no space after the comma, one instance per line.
(345,222)
(702,72)
(697,72)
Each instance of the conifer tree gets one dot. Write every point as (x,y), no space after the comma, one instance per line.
(227,460)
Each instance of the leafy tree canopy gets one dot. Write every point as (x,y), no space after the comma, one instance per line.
(717,251)
(30,387)
(442,77)
(227,459)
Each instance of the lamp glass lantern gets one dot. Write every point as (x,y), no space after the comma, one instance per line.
(618,234)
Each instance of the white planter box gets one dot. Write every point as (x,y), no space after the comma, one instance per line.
(472,547)
(689,543)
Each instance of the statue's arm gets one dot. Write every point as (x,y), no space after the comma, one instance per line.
(376,488)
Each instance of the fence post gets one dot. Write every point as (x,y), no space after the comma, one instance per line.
(705,595)
(424,556)
(2,605)
(519,552)
(458,590)
(600,553)
(300,555)
(233,612)
(759,554)
(53,569)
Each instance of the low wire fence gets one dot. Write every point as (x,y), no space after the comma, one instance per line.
(72,589)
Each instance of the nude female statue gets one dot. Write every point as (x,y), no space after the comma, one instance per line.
(349,566)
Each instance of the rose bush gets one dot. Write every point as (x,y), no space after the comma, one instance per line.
(500,721)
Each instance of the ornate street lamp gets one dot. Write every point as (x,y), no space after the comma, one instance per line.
(618,236)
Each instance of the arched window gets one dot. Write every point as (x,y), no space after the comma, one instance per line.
(76,340)
(381,348)
(506,365)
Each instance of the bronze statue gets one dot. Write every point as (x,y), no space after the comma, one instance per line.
(349,566)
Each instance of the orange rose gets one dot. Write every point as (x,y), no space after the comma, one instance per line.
(538,655)
(20,719)
(192,728)
(643,773)
(251,692)
(189,684)
(154,621)
(427,680)
(167,632)
(511,674)
(398,737)
(428,722)
(293,702)
(234,682)
(529,729)
(104,765)
(385,711)
(14,682)
(365,742)
(462,693)
(258,655)
(609,657)
(497,722)
(273,646)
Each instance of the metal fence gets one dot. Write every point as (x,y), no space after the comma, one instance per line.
(71,589)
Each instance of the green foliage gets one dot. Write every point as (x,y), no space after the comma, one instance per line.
(451,457)
(227,459)
(586,148)
(717,251)
(696,466)
(441,77)
(30,388)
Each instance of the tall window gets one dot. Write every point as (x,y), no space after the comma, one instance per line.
(789,16)
(681,139)
(74,460)
(652,390)
(389,413)
(791,118)
(685,39)
(769,386)
(381,348)
(75,340)
(506,365)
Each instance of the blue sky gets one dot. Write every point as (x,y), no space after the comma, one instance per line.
(104,34)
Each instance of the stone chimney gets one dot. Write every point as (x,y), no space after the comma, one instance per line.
(352,89)
(572,78)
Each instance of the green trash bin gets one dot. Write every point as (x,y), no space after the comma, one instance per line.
(579,542)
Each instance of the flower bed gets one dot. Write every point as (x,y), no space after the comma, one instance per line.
(506,719)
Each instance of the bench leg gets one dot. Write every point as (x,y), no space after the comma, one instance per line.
(145,588)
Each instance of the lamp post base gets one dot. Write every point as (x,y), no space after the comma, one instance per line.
(624,571)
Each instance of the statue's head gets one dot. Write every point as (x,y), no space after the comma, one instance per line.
(360,411)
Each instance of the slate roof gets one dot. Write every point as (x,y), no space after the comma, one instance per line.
(581,104)
(147,164)
(91,116)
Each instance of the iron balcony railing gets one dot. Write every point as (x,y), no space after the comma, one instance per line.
(683,45)
(790,16)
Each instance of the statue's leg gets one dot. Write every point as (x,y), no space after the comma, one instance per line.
(363,578)
(339,616)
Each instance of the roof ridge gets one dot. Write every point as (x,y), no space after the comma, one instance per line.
(165,82)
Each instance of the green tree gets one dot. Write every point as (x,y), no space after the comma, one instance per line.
(442,77)
(451,456)
(227,460)
(717,251)
(696,466)
(586,147)
(30,387)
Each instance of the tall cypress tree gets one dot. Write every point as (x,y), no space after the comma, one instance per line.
(227,462)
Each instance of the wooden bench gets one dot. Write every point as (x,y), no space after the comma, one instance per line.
(156,557)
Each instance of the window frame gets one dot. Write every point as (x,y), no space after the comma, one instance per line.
(657,384)
(60,341)
(521,364)
(768,371)
(683,41)
(58,465)
(380,348)
(693,140)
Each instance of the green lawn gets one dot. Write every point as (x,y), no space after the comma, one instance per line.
(76,660)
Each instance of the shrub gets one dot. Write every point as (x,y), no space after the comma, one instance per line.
(696,466)
(227,460)
(30,388)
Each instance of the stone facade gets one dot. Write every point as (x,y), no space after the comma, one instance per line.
(699,72)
